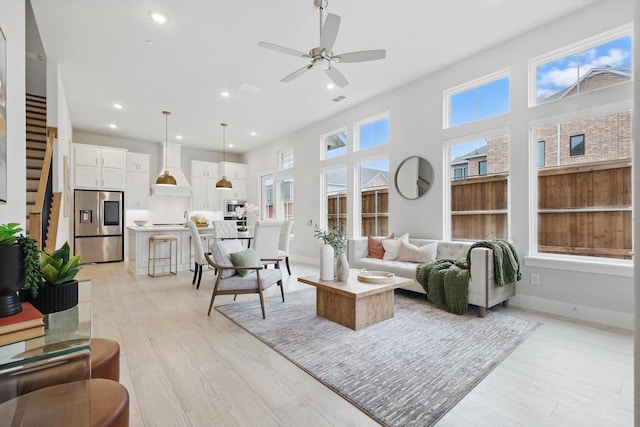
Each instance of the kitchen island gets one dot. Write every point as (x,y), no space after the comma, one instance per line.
(139,247)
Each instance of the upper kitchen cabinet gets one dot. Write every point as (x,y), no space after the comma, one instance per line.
(204,195)
(237,174)
(137,192)
(98,167)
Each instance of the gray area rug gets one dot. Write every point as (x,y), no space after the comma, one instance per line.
(406,371)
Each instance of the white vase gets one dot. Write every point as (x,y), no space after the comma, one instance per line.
(326,262)
(342,267)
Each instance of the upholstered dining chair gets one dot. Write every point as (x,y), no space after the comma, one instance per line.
(246,276)
(198,251)
(224,229)
(266,239)
(283,243)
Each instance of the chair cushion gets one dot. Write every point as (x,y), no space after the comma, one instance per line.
(246,258)
(268,277)
(220,251)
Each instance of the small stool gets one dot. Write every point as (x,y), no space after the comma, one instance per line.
(106,403)
(154,241)
(105,359)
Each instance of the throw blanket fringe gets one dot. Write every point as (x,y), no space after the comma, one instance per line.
(446,282)
(505,259)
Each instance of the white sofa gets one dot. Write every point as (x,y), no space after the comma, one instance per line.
(483,290)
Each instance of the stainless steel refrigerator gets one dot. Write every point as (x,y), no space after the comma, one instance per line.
(99,227)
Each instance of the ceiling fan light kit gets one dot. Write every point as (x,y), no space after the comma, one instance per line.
(166,178)
(223,183)
(322,57)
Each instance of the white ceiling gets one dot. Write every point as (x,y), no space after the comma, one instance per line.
(212,45)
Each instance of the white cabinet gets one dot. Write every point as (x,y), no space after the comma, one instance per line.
(237,174)
(204,195)
(137,192)
(99,167)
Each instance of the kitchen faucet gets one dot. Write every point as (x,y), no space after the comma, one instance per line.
(186,214)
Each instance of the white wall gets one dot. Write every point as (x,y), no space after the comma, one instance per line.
(416,129)
(12,22)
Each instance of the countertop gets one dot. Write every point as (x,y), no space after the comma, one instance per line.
(150,228)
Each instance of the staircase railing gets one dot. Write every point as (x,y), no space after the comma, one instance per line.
(39,217)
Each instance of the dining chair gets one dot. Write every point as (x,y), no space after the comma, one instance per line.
(224,229)
(198,251)
(266,239)
(247,276)
(283,243)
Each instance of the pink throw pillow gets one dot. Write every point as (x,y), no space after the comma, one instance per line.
(375,247)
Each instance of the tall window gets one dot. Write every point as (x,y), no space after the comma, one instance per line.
(595,64)
(584,201)
(286,159)
(285,197)
(373,133)
(479,203)
(266,196)
(476,100)
(374,197)
(334,145)
(336,197)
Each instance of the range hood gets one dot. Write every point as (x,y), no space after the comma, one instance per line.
(171,158)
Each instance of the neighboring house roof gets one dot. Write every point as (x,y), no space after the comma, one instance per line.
(370,178)
(478,152)
(595,78)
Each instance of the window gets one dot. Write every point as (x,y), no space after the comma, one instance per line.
(479,204)
(576,145)
(373,133)
(374,198)
(335,185)
(286,159)
(482,167)
(285,206)
(266,184)
(541,153)
(476,100)
(584,201)
(594,64)
(334,145)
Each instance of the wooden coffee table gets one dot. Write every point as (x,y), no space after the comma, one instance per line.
(353,303)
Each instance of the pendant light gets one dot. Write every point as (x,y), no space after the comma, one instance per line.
(224,183)
(166,178)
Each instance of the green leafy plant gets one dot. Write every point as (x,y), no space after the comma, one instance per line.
(58,267)
(10,235)
(336,238)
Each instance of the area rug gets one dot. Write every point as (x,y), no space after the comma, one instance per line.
(405,371)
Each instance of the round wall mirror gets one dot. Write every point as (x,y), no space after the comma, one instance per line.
(414,177)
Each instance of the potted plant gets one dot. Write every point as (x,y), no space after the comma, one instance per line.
(19,264)
(58,289)
(333,260)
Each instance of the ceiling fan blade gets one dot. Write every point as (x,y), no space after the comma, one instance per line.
(360,56)
(329,32)
(296,73)
(337,77)
(283,49)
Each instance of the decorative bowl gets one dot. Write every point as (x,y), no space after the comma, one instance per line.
(140,222)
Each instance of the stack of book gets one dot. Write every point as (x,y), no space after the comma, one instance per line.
(29,323)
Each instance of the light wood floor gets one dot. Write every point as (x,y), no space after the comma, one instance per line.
(183,368)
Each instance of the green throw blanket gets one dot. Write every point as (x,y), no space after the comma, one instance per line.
(446,281)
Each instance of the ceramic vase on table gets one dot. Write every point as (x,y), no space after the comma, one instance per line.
(342,267)
(326,262)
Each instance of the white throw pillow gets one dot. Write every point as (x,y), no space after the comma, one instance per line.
(422,254)
(392,246)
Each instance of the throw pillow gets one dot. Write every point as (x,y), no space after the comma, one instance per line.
(375,246)
(413,253)
(246,258)
(220,251)
(391,246)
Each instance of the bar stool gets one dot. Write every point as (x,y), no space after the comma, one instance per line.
(154,241)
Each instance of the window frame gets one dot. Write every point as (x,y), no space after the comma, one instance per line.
(281,161)
(359,124)
(573,148)
(357,188)
(323,144)
(576,48)
(475,83)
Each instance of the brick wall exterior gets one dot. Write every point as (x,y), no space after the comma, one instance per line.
(498,154)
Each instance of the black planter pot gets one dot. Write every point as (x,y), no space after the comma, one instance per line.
(11,279)
(52,299)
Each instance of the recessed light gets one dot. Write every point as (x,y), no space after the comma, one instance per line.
(178,136)
(230,145)
(117,106)
(331,85)
(112,126)
(253,134)
(150,43)
(159,17)
(224,94)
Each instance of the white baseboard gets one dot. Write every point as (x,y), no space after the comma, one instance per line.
(573,311)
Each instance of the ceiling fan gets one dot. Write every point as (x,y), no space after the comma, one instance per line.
(322,57)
